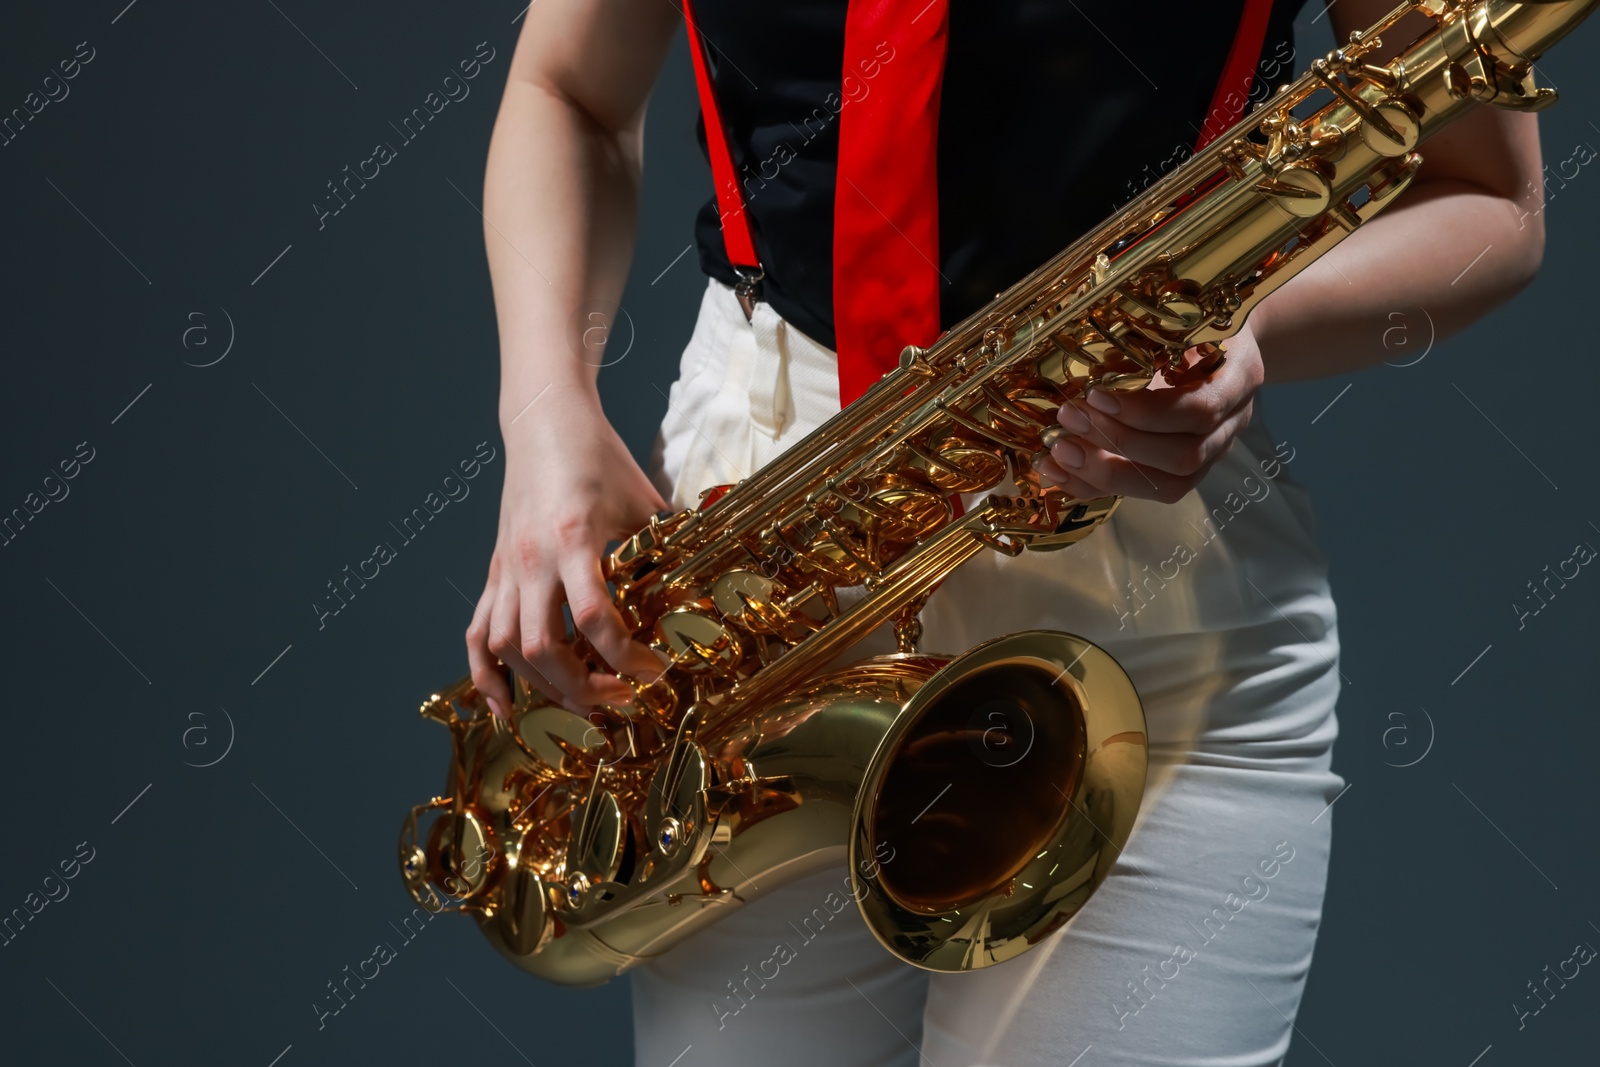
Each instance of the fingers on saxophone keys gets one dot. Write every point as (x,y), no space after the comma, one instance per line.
(556,668)
(597,619)
(1084,469)
(1191,408)
(1174,453)
(506,640)
(1052,472)
(486,675)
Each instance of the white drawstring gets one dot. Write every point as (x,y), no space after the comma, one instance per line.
(771,399)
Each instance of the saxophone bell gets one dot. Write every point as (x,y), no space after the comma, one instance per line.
(978,800)
(998,800)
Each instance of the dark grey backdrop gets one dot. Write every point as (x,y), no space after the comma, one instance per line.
(162,608)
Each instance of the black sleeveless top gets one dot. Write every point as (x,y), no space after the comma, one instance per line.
(1052,115)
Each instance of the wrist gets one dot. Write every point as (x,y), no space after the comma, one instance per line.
(1261,324)
(536,402)
(540,423)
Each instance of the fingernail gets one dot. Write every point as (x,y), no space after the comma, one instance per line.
(1103,401)
(1073,419)
(494,708)
(1067,453)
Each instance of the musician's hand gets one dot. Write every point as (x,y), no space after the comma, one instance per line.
(570,487)
(1157,442)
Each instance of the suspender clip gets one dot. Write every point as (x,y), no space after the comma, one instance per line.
(745,290)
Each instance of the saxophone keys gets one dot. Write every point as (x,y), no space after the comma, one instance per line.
(676,804)
(524,918)
(1395,130)
(458,842)
(1212,357)
(697,642)
(1299,189)
(959,465)
(595,849)
(746,597)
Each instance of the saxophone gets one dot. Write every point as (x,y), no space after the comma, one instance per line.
(585,847)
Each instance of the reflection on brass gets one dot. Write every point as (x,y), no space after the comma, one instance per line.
(980,799)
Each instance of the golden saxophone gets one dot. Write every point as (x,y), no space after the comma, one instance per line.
(585,847)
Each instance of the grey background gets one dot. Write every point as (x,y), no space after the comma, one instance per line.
(170,593)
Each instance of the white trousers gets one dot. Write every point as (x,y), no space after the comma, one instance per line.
(1196,948)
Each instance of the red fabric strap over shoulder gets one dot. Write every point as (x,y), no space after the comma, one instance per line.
(886,206)
(1238,72)
(737,236)
(886,198)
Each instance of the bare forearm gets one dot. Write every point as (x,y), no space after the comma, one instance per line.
(1449,248)
(560,202)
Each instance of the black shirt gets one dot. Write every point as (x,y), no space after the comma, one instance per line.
(1052,115)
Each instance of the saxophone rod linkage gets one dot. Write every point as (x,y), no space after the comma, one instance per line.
(969,334)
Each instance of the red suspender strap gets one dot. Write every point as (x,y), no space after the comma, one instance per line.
(736,234)
(1238,72)
(886,198)
(886,205)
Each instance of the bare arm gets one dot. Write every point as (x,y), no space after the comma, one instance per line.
(560,203)
(1465,238)
(561,190)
